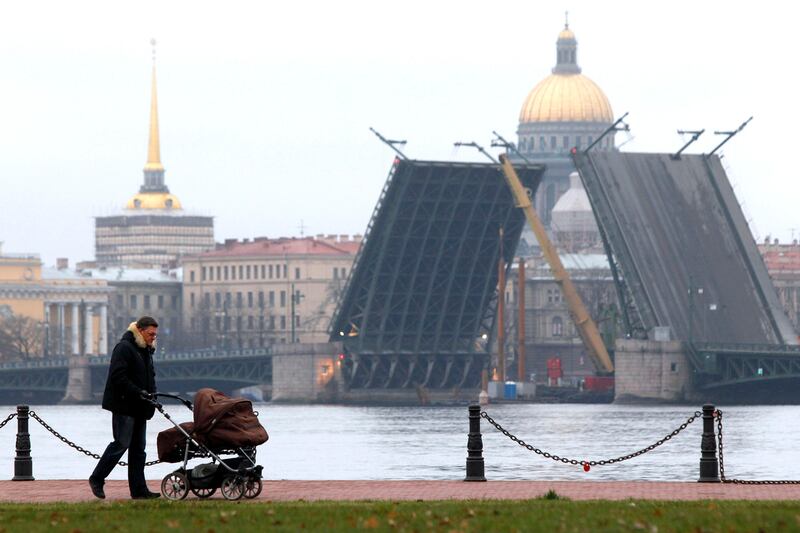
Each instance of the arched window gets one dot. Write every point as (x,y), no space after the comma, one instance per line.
(557,327)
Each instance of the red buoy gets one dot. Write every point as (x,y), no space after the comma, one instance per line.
(586,467)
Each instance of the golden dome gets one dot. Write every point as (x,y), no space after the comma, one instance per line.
(566,33)
(566,98)
(154,200)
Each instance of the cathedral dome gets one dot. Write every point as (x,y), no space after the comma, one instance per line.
(566,95)
(154,200)
(566,98)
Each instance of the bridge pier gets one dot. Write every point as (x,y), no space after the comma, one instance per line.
(79,381)
(306,372)
(651,371)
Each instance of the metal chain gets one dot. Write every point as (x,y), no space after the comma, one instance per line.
(565,460)
(71,444)
(8,419)
(722,477)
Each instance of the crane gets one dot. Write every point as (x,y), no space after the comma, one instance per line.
(587,329)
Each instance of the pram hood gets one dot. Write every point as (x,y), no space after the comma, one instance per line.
(220,423)
(226,422)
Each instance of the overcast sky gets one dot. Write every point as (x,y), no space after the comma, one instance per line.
(265,106)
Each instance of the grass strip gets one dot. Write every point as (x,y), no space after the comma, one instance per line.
(552,513)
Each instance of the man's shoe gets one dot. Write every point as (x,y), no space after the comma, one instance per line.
(147,496)
(97,488)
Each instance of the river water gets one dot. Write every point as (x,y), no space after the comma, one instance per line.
(346,442)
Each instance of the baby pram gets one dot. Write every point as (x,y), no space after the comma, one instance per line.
(222,426)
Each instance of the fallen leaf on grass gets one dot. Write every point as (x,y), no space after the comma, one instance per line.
(371,522)
(173,524)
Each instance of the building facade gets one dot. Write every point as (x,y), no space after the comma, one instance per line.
(50,311)
(247,294)
(153,230)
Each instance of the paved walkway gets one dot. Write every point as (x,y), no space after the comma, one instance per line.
(78,490)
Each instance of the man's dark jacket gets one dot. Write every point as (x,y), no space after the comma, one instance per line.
(130,373)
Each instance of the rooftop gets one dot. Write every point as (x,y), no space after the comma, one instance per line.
(263,246)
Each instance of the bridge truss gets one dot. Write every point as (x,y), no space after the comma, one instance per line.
(419,305)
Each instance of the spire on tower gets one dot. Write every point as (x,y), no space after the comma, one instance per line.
(153,169)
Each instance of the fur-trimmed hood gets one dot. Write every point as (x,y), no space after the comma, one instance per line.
(137,336)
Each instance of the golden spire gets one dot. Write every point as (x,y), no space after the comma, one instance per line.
(153,146)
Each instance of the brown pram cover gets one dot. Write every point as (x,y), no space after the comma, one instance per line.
(220,423)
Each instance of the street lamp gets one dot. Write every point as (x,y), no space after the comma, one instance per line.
(296,297)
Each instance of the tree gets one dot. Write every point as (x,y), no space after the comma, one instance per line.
(21,337)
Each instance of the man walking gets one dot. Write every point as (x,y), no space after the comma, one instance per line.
(130,385)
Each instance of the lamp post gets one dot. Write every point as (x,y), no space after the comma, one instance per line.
(296,297)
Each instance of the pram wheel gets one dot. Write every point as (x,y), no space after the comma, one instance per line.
(204,493)
(232,487)
(252,487)
(174,486)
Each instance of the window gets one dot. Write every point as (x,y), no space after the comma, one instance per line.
(270,272)
(207,300)
(261,298)
(283,322)
(227,299)
(285,268)
(238,323)
(557,327)
(174,302)
(673,367)
(219,269)
(566,142)
(297,321)
(272,298)
(578,141)
(344,273)
(133,301)
(233,272)
(191,276)
(203,274)
(552,142)
(283,298)
(217,323)
(191,300)
(250,322)
(239,300)
(120,300)
(272,322)
(241,271)
(217,300)
(542,144)
(161,301)
(296,273)
(225,271)
(335,273)
(263,269)
(249,299)
(248,271)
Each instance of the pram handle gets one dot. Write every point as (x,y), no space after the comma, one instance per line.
(187,403)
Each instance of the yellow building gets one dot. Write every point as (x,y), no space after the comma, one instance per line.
(247,294)
(62,313)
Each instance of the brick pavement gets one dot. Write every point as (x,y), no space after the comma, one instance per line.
(78,490)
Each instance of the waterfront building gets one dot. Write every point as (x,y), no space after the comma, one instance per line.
(246,294)
(549,329)
(142,291)
(54,311)
(153,230)
(783,265)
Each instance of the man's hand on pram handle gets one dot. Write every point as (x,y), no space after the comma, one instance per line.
(146,395)
(185,402)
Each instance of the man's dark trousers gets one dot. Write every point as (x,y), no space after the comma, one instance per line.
(129,434)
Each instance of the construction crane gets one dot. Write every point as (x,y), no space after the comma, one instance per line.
(587,329)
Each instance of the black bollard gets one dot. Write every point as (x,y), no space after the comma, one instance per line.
(475,446)
(23,464)
(709,466)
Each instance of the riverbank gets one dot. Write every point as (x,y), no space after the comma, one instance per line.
(50,491)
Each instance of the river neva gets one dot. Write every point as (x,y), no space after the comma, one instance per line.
(346,442)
